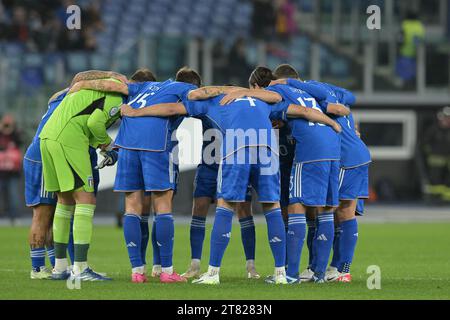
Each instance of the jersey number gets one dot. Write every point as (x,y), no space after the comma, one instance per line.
(313,105)
(249,99)
(141,99)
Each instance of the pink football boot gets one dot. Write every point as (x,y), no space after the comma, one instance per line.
(138,278)
(345,277)
(169,278)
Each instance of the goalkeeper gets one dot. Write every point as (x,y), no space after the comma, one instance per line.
(81,121)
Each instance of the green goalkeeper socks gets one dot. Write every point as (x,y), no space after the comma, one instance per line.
(61,228)
(82,230)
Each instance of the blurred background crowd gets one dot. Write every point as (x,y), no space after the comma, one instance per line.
(402,68)
(40,26)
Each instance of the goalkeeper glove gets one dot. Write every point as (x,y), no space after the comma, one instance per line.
(110,158)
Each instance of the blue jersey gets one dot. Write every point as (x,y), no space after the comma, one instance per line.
(354,151)
(34,151)
(314,141)
(245,122)
(151,133)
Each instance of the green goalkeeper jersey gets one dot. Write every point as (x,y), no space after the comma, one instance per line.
(82,119)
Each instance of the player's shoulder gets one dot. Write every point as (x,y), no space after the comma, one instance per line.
(296,92)
(329,86)
(177,85)
(318,84)
(58,97)
(277,87)
(141,86)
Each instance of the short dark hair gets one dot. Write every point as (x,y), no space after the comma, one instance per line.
(143,75)
(261,76)
(188,75)
(284,71)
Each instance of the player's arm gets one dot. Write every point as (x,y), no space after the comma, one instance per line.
(100,85)
(98,74)
(97,125)
(296,111)
(348,98)
(210,92)
(338,109)
(261,94)
(57,94)
(157,110)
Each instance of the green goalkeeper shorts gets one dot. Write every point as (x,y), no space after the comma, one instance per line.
(66,168)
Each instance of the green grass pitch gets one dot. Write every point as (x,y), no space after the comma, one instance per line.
(414,261)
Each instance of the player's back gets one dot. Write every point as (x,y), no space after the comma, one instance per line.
(244,122)
(68,123)
(354,151)
(151,133)
(33,151)
(314,141)
(241,114)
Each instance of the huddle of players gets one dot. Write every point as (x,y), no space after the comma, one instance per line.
(146,165)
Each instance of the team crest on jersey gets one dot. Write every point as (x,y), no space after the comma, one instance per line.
(113,111)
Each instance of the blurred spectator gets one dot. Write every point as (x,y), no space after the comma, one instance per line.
(4,22)
(40,26)
(286,25)
(413,31)
(263,19)
(10,165)
(435,146)
(91,15)
(72,40)
(19,25)
(238,67)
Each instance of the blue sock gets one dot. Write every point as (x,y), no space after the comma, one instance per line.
(197,236)
(336,254)
(132,234)
(70,245)
(309,241)
(156,257)
(164,238)
(37,256)
(323,242)
(220,235)
(144,237)
(248,237)
(51,255)
(347,244)
(294,242)
(277,236)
